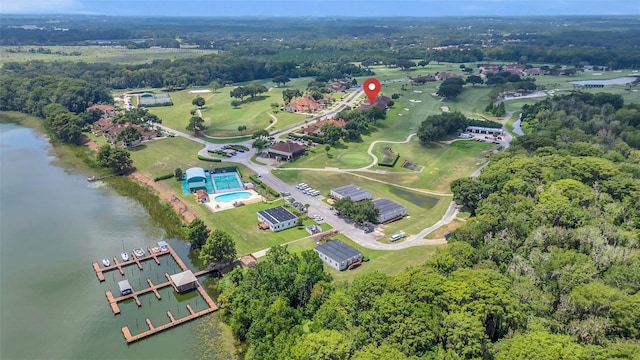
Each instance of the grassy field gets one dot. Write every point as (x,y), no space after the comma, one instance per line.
(92,54)
(420,216)
(387,262)
(222,119)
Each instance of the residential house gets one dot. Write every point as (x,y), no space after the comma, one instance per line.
(304,104)
(381,102)
(446,75)
(107,110)
(288,150)
(339,85)
(315,129)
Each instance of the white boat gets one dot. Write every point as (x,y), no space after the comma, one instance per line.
(138,252)
(106,262)
(124,255)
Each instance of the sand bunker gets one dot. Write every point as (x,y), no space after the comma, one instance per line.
(444,108)
(417,91)
(199,91)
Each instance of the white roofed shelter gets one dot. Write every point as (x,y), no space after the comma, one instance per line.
(184,281)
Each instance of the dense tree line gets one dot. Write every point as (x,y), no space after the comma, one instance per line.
(600,118)
(358,211)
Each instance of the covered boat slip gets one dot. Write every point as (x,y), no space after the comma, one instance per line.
(183,281)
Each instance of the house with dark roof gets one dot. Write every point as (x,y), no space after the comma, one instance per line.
(107,110)
(381,102)
(316,129)
(339,85)
(288,150)
(277,218)
(103,126)
(388,210)
(337,254)
(446,75)
(350,191)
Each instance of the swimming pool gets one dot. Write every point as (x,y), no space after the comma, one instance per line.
(226,182)
(233,196)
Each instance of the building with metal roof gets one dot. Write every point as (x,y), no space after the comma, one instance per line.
(184,281)
(196,178)
(277,218)
(350,191)
(337,254)
(388,210)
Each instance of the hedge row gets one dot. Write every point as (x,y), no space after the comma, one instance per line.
(163,177)
(390,164)
(315,139)
(255,180)
(200,157)
(485,123)
(265,186)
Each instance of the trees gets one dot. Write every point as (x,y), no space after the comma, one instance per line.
(196,124)
(218,248)
(198,101)
(361,211)
(115,158)
(327,148)
(332,133)
(450,88)
(474,79)
(129,134)
(242,128)
(280,79)
(435,127)
(236,103)
(289,94)
(177,174)
(197,233)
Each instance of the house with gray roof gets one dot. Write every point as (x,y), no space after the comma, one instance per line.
(350,191)
(388,210)
(337,254)
(277,218)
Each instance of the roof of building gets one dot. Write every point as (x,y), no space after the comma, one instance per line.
(385,205)
(277,214)
(183,278)
(314,128)
(337,250)
(124,285)
(289,147)
(202,194)
(104,123)
(305,103)
(380,102)
(248,260)
(102,107)
(352,192)
(194,172)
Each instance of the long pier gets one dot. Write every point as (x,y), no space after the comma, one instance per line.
(113,301)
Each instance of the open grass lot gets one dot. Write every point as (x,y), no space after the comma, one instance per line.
(442,163)
(420,216)
(387,262)
(222,119)
(93,54)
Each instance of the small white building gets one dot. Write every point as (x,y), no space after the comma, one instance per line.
(184,281)
(278,218)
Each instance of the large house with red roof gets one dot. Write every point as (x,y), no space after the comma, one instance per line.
(107,110)
(304,104)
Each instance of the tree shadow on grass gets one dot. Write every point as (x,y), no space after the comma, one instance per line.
(138,148)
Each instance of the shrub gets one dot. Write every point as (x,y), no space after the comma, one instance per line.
(163,177)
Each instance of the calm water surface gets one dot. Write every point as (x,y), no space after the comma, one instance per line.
(53,225)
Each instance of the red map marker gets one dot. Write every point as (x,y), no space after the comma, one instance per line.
(371,87)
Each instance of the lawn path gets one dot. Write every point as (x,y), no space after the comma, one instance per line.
(375,158)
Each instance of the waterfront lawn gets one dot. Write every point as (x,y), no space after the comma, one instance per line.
(389,262)
(420,216)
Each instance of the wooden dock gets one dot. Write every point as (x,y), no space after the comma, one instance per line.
(134,260)
(113,301)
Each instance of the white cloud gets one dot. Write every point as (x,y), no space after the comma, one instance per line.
(38,6)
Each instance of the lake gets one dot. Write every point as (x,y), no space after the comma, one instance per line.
(54,224)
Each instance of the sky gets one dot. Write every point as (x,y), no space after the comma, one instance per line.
(321,8)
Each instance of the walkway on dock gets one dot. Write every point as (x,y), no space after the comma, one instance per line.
(113,301)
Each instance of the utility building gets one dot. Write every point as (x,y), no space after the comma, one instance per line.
(350,191)
(388,210)
(338,255)
(277,218)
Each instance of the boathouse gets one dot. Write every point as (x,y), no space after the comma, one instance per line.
(184,281)
(125,287)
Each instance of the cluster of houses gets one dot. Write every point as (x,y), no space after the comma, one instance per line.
(439,76)
(514,68)
(110,130)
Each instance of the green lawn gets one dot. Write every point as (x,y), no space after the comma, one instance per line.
(387,262)
(92,54)
(222,119)
(420,216)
